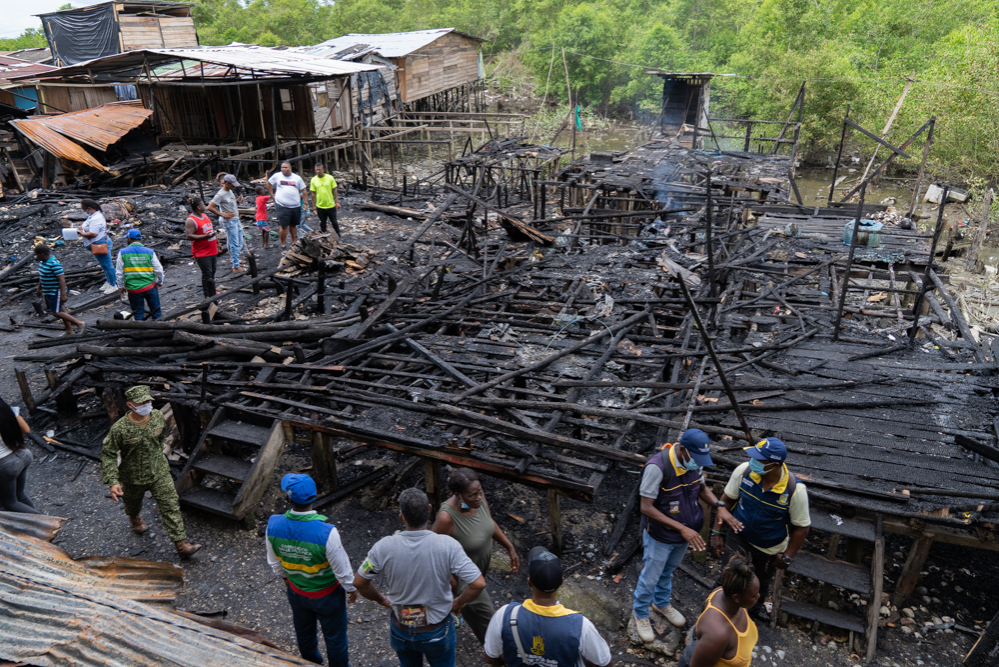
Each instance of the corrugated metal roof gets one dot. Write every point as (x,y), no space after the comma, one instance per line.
(98,127)
(55,143)
(389,44)
(247,61)
(11,67)
(63,612)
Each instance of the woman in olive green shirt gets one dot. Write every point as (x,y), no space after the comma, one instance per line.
(465,517)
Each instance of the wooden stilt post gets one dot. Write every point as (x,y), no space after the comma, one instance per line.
(910,571)
(114,403)
(323,462)
(555,521)
(877,585)
(432,470)
(22,383)
(65,401)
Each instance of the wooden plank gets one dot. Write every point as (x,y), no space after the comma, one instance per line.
(555,521)
(877,584)
(909,576)
(260,476)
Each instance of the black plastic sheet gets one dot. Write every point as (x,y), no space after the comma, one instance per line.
(84,35)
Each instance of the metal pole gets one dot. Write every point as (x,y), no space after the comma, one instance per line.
(849,262)
(717,361)
(918,303)
(839,155)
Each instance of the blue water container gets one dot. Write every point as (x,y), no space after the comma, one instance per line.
(868,235)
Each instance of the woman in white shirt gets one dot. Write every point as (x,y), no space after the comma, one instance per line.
(94,231)
(15,458)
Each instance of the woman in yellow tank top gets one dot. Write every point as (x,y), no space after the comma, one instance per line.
(725,633)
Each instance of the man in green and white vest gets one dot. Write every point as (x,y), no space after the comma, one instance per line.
(139,273)
(307,551)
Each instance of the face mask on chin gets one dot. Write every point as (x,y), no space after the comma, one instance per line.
(143,410)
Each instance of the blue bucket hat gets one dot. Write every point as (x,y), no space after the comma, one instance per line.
(697,442)
(301,489)
(769,449)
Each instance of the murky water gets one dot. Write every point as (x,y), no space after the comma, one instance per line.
(813,184)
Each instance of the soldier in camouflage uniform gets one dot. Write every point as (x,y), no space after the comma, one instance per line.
(139,437)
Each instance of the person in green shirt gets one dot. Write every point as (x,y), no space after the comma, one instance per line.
(323,199)
(139,437)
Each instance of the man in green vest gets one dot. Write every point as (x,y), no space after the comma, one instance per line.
(139,273)
(307,552)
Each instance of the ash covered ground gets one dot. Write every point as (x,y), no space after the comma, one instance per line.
(230,575)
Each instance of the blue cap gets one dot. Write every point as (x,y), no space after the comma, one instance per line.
(300,488)
(770,449)
(134,234)
(697,443)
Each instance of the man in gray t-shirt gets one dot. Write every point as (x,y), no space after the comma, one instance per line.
(416,566)
(225,206)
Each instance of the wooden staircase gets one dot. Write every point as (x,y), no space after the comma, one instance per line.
(850,576)
(231,465)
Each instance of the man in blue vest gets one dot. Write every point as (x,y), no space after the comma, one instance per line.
(139,274)
(541,632)
(672,518)
(772,506)
(307,552)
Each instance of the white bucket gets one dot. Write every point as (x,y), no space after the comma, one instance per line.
(70,233)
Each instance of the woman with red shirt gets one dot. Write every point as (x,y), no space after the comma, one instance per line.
(205,249)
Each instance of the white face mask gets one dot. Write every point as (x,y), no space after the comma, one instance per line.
(143,410)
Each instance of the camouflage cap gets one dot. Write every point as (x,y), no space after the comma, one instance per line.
(138,394)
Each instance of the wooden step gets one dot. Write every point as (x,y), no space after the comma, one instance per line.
(210,500)
(241,432)
(852,577)
(826,616)
(856,528)
(224,466)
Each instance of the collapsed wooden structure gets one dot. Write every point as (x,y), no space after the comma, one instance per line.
(674,288)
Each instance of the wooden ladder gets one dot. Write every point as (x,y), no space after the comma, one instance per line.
(231,466)
(851,576)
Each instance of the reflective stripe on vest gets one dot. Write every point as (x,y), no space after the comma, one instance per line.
(137,261)
(299,542)
(765,515)
(548,640)
(677,499)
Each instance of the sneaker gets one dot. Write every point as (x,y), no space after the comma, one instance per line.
(644,629)
(108,288)
(239,269)
(671,614)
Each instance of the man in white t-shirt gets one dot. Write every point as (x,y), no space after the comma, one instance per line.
(541,632)
(287,190)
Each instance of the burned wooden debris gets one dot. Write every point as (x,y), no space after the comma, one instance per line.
(550,325)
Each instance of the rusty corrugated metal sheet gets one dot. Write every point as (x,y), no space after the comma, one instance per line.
(11,67)
(56,143)
(98,127)
(26,550)
(57,611)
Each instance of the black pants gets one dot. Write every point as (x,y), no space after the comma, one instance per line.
(328,214)
(763,564)
(207,266)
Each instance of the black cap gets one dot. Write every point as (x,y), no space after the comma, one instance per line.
(544,570)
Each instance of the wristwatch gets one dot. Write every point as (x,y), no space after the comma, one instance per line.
(787,560)
(719,503)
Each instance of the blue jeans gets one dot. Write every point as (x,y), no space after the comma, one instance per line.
(234,236)
(655,584)
(437,645)
(331,612)
(138,300)
(107,266)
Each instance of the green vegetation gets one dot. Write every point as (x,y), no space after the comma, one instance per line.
(851,52)
(32,38)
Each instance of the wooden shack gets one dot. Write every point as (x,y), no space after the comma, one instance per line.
(684,111)
(438,70)
(107,28)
